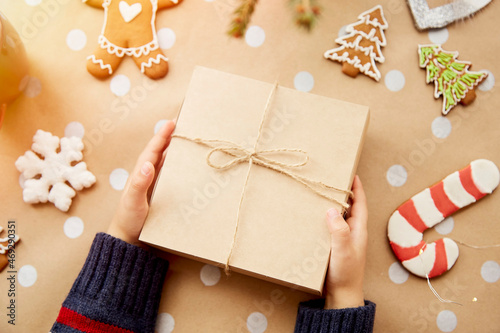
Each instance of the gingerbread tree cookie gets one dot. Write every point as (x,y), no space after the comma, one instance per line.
(360,49)
(452,78)
(7,245)
(129,29)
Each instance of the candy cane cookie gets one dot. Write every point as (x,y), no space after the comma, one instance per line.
(431,206)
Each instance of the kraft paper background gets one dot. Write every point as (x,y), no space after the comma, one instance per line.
(118,127)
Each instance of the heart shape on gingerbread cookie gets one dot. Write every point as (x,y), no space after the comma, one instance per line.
(129,12)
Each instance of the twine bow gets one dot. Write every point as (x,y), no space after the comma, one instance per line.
(255,156)
(240,154)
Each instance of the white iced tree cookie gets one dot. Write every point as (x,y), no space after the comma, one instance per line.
(47,178)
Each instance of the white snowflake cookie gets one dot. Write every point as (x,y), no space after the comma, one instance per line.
(47,178)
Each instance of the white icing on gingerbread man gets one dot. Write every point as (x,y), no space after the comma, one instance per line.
(129,29)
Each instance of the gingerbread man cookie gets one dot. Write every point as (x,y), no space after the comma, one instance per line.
(431,206)
(129,29)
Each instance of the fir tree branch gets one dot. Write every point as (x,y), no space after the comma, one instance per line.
(242,16)
(306,13)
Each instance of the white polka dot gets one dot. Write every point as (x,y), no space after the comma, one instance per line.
(394,80)
(397,175)
(21,181)
(438,36)
(255,36)
(73,227)
(490,271)
(446,226)
(446,321)
(76,39)
(342,31)
(33,2)
(210,275)
(165,323)
(166,38)
(441,127)
(397,273)
(120,85)
(303,81)
(256,322)
(74,128)
(209,0)
(159,125)
(24,83)
(118,178)
(33,88)
(27,276)
(489,83)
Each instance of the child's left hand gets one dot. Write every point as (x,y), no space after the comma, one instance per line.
(134,204)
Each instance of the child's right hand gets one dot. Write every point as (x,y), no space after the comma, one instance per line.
(344,282)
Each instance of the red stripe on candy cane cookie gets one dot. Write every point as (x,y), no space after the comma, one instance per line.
(441,261)
(428,208)
(407,253)
(468,183)
(410,214)
(441,200)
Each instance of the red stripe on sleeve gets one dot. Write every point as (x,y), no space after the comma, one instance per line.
(410,214)
(468,183)
(407,253)
(441,200)
(441,262)
(79,322)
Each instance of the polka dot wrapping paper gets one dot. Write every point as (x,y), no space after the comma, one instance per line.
(409,146)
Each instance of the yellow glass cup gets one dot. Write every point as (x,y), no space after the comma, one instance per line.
(13,65)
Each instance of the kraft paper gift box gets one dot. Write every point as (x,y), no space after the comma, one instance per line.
(263,214)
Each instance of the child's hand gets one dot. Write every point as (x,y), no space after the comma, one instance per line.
(344,282)
(134,204)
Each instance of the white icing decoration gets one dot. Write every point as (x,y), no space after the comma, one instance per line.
(485,175)
(3,249)
(451,251)
(55,168)
(456,192)
(350,29)
(370,68)
(401,232)
(120,51)
(422,264)
(104,43)
(129,12)
(365,50)
(356,62)
(375,22)
(426,208)
(437,49)
(101,63)
(152,60)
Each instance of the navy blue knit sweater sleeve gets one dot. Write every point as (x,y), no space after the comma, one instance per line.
(117,290)
(312,318)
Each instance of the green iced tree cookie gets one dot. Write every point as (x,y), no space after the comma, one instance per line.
(452,78)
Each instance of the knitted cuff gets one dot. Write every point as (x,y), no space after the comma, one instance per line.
(118,289)
(311,317)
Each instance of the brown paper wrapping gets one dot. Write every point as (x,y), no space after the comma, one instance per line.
(281,234)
